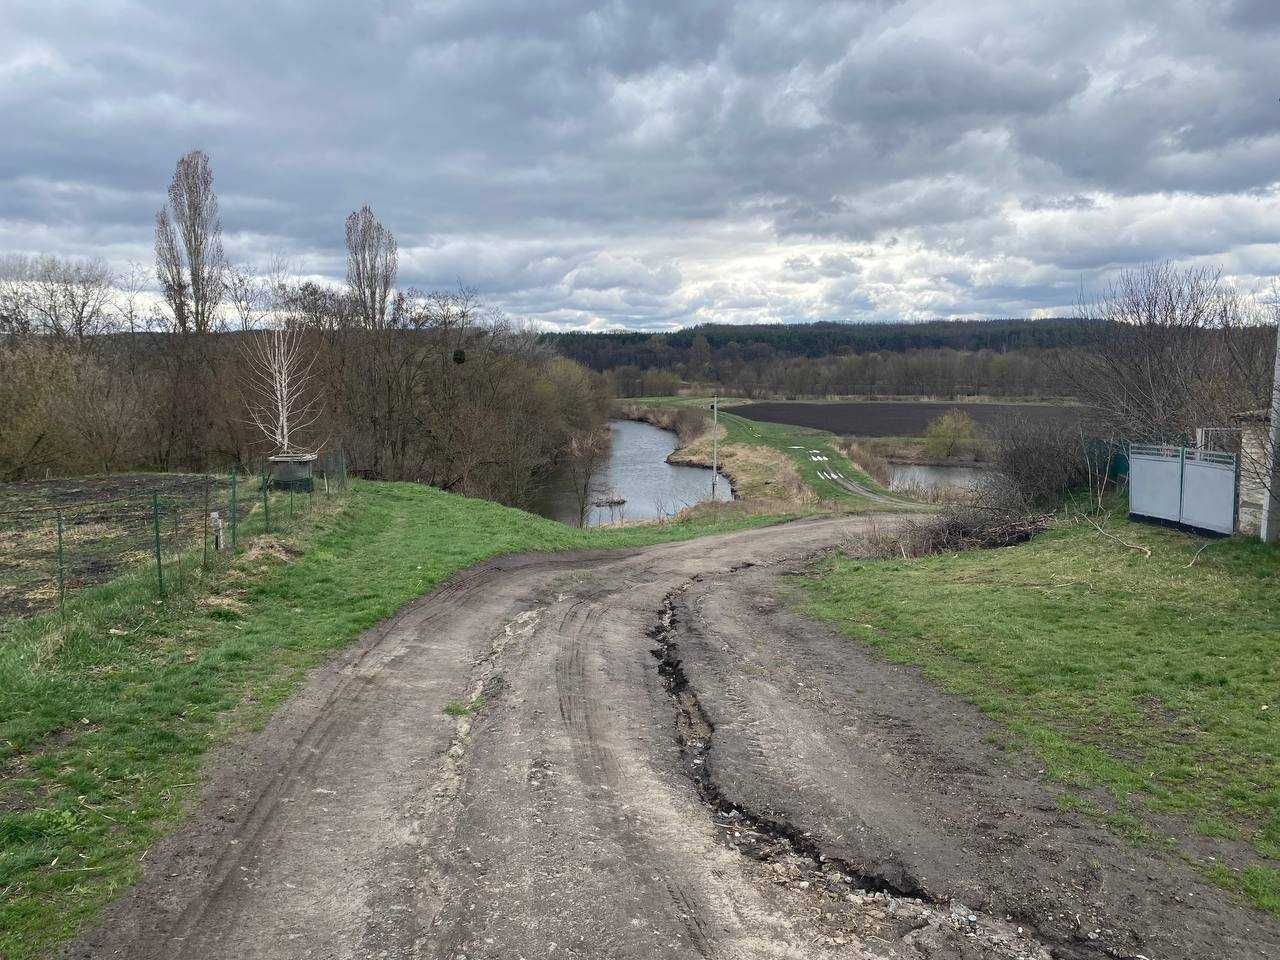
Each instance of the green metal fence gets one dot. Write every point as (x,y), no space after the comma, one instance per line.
(61,535)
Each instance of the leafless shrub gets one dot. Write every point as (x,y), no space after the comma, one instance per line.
(1001,519)
(1040,462)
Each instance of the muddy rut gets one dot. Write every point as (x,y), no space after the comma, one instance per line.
(662,761)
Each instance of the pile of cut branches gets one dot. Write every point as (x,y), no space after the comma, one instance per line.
(955,529)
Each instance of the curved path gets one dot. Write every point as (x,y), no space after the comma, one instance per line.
(660,761)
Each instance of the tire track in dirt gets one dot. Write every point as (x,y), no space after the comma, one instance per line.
(582,812)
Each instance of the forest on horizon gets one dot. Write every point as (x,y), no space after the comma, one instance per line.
(999,357)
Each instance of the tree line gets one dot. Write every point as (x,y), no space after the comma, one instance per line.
(942,358)
(431,386)
(938,372)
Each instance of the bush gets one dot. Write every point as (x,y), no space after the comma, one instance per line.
(1040,462)
(949,434)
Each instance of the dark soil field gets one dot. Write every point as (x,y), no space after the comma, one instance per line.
(896,418)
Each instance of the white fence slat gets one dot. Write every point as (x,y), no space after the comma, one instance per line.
(1154,487)
(1209,496)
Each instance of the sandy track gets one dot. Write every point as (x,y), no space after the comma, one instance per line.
(667,764)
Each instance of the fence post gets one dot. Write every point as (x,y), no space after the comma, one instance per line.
(155,532)
(1182,478)
(205,546)
(62,575)
(266,505)
(234,512)
(177,548)
(290,501)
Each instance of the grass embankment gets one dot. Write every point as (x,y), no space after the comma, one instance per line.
(103,728)
(772,460)
(1149,687)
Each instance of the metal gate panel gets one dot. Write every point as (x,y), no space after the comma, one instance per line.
(1154,481)
(1191,486)
(1209,495)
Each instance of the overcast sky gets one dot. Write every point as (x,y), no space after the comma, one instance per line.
(652,165)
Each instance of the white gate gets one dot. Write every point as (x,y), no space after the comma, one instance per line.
(1191,486)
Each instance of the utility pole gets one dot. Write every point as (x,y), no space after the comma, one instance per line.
(716,442)
(1271,494)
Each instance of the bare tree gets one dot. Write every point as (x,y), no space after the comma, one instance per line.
(1165,353)
(128,304)
(55,297)
(250,297)
(74,296)
(586,452)
(283,402)
(190,264)
(371,266)
(15,295)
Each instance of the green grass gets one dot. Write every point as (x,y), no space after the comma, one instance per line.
(103,730)
(459,709)
(1151,683)
(793,442)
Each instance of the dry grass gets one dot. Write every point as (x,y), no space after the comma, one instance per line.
(861,453)
(757,472)
(269,548)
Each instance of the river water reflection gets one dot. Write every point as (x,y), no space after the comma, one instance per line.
(908,476)
(637,471)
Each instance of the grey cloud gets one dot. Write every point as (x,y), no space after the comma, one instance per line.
(914,81)
(655,164)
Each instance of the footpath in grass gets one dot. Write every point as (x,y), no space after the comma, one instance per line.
(1149,687)
(801,445)
(103,728)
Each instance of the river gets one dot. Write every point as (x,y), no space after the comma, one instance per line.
(908,476)
(638,472)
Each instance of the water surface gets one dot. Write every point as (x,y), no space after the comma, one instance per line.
(910,475)
(638,472)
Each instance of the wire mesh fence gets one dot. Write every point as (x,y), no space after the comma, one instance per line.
(60,536)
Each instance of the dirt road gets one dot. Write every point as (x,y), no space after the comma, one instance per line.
(662,762)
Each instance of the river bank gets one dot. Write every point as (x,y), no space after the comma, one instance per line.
(639,481)
(754,472)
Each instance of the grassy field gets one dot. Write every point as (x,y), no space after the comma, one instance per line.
(103,727)
(1149,687)
(798,444)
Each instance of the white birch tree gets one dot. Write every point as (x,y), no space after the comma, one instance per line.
(282,398)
